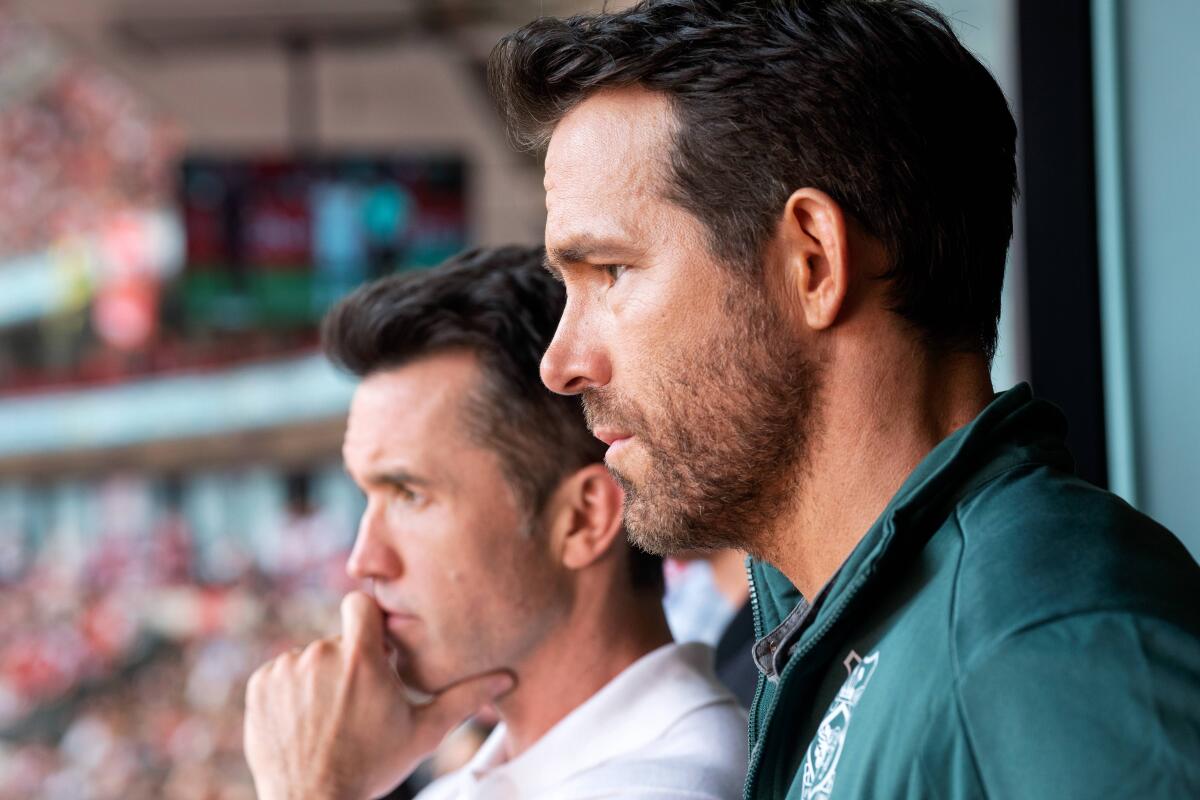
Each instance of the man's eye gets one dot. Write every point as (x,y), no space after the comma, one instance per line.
(406,495)
(614,271)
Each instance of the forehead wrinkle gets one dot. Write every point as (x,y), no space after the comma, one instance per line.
(395,418)
(627,171)
(602,212)
(630,127)
(362,452)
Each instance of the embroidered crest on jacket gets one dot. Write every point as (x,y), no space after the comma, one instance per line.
(821,760)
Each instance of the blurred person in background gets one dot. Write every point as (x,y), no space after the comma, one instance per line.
(493,546)
(708,600)
(783,229)
(303,543)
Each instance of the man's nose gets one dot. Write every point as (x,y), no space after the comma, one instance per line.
(373,556)
(576,359)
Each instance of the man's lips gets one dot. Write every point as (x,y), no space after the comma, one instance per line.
(399,618)
(610,436)
(396,616)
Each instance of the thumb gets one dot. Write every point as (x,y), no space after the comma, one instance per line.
(362,623)
(453,705)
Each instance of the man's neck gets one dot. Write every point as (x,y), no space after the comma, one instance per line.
(596,644)
(875,426)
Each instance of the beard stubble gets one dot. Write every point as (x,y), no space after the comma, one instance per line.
(727,429)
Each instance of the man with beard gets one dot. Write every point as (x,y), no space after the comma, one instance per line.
(492,542)
(782,227)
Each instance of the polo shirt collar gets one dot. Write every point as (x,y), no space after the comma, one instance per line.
(623,716)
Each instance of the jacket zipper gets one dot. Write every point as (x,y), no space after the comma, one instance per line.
(752,720)
(795,658)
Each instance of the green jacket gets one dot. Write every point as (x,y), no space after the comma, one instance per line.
(1003,630)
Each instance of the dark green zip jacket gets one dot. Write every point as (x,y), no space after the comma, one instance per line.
(1003,630)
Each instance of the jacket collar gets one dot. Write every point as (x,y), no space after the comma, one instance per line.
(1013,429)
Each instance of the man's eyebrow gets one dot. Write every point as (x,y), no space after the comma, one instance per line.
(582,248)
(394,477)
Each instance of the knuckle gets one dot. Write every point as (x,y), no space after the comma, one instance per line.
(316,652)
(278,667)
(256,685)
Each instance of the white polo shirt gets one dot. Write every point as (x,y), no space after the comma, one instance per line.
(664,729)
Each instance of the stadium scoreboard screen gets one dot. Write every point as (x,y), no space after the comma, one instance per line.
(272,243)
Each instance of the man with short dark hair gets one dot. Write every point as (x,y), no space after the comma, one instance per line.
(493,546)
(782,226)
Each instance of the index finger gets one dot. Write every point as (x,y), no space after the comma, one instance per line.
(362,622)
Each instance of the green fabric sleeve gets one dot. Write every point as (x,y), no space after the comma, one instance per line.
(1093,705)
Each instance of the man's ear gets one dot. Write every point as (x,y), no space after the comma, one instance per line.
(584,516)
(814,253)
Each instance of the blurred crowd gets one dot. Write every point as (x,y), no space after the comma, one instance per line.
(122,674)
(76,146)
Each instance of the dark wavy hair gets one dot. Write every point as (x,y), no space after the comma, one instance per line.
(501,305)
(875,102)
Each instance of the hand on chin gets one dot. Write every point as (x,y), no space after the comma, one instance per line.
(316,719)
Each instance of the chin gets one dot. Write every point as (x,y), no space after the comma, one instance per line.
(652,529)
(417,671)
(436,674)
(423,679)
(412,676)
(665,529)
